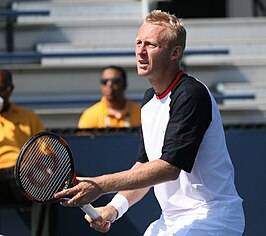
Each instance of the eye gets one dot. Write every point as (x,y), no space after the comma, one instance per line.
(138,43)
(152,45)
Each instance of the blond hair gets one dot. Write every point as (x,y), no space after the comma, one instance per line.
(175,33)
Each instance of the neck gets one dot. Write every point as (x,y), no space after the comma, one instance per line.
(162,83)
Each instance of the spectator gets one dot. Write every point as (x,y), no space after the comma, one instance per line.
(182,153)
(17,125)
(114,110)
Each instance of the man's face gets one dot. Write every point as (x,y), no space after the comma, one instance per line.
(112,84)
(152,54)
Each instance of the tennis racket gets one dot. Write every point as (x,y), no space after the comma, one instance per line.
(44,167)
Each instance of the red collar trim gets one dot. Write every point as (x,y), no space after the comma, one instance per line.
(179,75)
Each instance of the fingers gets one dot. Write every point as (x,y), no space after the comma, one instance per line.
(106,226)
(76,200)
(103,224)
(64,193)
(65,199)
(99,225)
(83,193)
(68,202)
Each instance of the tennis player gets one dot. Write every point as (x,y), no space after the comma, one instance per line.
(183,152)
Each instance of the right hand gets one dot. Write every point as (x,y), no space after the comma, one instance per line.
(103,224)
(86,191)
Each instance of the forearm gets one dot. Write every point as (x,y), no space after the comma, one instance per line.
(125,199)
(133,196)
(160,171)
(141,176)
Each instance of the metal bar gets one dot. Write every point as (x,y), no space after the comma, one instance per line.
(24,13)
(39,55)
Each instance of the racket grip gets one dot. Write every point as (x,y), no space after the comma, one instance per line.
(91,211)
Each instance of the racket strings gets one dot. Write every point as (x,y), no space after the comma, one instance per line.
(46,168)
(42,177)
(49,167)
(32,157)
(57,181)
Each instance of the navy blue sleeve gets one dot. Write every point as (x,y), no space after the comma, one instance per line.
(190,117)
(142,156)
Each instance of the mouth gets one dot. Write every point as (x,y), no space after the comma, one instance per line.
(108,92)
(143,63)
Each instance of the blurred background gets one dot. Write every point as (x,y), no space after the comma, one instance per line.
(55,50)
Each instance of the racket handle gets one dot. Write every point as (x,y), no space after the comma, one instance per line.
(91,211)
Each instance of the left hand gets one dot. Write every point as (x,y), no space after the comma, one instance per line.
(103,224)
(86,191)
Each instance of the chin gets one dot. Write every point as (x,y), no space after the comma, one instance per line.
(109,96)
(142,72)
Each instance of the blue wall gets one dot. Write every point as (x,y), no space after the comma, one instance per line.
(111,153)
(248,152)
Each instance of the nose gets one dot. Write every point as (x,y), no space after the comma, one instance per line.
(109,83)
(140,49)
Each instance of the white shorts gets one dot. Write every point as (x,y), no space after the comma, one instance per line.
(225,221)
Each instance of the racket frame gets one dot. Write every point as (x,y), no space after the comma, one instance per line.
(72,176)
(88,208)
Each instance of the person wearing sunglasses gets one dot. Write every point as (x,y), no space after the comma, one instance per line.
(114,109)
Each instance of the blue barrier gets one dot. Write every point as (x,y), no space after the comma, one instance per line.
(16,13)
(96,155)
(95,53)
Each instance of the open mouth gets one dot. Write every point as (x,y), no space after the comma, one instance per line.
(143,63)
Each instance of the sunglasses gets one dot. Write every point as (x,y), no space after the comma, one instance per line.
(114,81)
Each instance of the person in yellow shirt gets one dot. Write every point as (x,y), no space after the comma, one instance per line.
(17,125)
(114,109)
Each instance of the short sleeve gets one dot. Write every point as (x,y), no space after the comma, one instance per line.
(190,116)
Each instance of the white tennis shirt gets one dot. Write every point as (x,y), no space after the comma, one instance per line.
(183,126)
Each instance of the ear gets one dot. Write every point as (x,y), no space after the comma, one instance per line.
(176,52)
